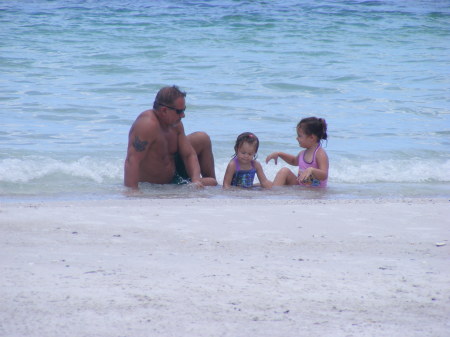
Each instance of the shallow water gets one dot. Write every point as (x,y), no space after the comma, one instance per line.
(75,76)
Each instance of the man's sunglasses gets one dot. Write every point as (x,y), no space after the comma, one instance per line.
(178,111)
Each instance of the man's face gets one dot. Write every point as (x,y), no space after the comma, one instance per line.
(173,116)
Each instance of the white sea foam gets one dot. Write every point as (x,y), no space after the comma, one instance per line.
(413,170)
(343,171)
(32,168)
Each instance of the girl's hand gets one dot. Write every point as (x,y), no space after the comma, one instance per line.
(273,156)
(305,175)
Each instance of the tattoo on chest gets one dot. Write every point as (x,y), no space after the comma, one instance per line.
(139,145)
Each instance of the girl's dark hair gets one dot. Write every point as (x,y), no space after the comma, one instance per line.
(249,138)
(314,126)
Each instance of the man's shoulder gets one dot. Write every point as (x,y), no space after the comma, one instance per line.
(146,116)
(179,127)
(145,121)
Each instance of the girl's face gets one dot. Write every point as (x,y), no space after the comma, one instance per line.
(304,140)
(246,152)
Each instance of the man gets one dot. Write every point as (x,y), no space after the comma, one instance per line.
(159,151)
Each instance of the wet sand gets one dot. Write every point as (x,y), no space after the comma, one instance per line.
(232,267)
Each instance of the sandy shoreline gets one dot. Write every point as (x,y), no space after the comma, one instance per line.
(233,267)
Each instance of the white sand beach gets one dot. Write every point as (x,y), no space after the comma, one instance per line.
(231,267)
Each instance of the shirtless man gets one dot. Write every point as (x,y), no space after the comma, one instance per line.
(159,151)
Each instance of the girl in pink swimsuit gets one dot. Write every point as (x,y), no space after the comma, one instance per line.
(312,162)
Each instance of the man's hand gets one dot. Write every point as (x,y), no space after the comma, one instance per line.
(196,184)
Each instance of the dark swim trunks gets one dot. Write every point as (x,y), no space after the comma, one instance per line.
(180,177)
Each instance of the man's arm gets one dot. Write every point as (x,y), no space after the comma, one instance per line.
(138,145)
(188,155)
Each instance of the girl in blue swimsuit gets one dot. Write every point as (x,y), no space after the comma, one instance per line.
(242,169)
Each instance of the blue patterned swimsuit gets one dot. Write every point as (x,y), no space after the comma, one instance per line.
(243,178)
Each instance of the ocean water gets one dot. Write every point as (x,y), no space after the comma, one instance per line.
(75,74)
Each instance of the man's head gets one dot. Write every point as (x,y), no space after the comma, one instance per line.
(169,105)
(167,96)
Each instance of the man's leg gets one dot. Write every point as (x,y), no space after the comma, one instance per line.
(201,143)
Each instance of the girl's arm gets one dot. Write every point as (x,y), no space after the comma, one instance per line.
(266,183)
(320,173)
(288,158)
(228,177)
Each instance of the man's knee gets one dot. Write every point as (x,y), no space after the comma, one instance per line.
(200,140)
(201,136)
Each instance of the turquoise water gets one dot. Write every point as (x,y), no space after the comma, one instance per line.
(75,74)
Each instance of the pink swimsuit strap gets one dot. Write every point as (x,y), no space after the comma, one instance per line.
(313,161)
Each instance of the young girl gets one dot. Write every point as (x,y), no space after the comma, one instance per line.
(242,168)
(312,162)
